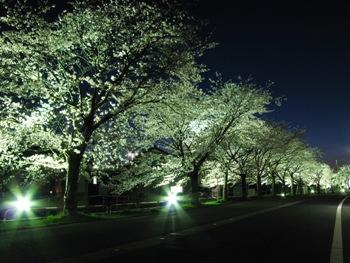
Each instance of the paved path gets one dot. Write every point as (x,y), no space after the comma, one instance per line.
(254,231)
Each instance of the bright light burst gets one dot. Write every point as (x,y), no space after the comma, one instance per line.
(172,199)
(23,204)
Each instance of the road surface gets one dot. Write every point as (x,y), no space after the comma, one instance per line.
(312,230)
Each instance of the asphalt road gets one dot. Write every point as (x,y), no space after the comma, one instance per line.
(253,231)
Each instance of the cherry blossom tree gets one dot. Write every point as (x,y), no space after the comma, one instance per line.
(342,178)
(92,64)
(196,123)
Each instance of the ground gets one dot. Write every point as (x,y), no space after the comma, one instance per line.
(269,230)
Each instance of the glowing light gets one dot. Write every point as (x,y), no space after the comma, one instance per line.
(131,155)
(172,199)
(23,204)
(342,190)
(283,195)
(94,180)
(312,191)
(176,189)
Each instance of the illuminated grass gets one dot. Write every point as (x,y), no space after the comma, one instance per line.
(42,222)
(213,202)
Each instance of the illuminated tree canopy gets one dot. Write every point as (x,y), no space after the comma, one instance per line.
(92,65)
(196,126)
(82,87)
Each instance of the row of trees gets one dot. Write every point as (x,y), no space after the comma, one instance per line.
(82,87)
(341,178)
(269,153)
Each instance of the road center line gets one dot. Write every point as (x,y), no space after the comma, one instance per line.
(151,242)
(337,243)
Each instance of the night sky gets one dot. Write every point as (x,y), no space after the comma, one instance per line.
(303,48)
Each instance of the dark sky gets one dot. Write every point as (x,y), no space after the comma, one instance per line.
(303,48)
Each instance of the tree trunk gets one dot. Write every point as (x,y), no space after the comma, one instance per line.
(318,188)
(258,186)
(72,178)
(292,193)
(194,175)
(273,186)
(297,190)
(224,190)
(300,187)
(219,192)
(244,186)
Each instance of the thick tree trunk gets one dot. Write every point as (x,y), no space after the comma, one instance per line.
(244,186)
(72,179)
(318,188)
(75,157)
(224,190)
(194,175)
(258,186)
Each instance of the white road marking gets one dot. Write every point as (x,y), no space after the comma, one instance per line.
(151,242)
(337,243)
